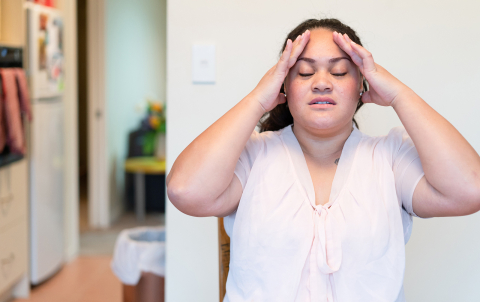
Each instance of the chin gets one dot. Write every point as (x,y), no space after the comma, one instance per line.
(326,123)
(322,123)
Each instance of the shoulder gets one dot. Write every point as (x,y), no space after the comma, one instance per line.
(260,143)
(264,138)
(391,145)
(395,138)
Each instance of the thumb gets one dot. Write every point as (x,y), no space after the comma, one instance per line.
(281,98)
(367,97)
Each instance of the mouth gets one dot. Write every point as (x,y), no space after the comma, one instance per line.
(322,101)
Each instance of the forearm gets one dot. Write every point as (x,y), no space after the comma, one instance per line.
(450,163)
(205,168)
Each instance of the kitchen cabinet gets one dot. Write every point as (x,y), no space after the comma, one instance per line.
(14,267)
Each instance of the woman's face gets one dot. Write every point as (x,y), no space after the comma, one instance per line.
(323,73)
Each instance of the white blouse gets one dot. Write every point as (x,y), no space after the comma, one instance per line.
(286,248)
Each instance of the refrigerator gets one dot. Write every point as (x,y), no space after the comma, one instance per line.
(46,80)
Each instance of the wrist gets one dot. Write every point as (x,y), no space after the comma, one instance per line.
(254,102)
(403,98)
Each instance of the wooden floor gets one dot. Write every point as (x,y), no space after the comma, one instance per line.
(89,277)
(86,279)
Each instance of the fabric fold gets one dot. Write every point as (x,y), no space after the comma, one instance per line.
(3,134)
(23,94)
(327,250)
(11,106)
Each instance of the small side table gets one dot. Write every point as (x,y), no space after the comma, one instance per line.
(140,166)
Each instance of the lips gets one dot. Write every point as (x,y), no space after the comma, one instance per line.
(322,99)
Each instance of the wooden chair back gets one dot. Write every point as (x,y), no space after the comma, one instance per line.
(224,257)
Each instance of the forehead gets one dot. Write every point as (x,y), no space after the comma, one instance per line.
(321,45)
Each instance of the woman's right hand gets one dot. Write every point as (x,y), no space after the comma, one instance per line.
(267,91)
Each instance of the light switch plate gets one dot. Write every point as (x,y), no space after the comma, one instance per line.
(203,69)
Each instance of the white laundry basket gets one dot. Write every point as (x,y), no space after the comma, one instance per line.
(139,262)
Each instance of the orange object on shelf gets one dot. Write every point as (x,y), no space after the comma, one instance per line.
(50,3)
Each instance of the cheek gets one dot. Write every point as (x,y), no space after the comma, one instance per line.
(349,90)
(296,90)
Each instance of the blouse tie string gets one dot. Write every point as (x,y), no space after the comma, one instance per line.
(327,251)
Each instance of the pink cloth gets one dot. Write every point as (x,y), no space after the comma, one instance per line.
(284,247)
(11,106)
(23,94)
(3,134)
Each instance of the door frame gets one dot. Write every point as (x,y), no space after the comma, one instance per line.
(98,181)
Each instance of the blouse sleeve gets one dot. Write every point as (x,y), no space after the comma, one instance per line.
(248,156)
(406,165)
(244,165)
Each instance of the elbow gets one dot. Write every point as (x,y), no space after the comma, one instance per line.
(474,194)
(185,199)
(177,195)
(175,190)
(475,199)
(471,200)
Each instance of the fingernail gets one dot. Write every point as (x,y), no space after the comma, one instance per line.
(297,38)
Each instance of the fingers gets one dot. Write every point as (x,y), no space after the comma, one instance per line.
(346,46)
(282,64)
(367,58)
(298,47)
(357,52)
(367,97)
(291,53)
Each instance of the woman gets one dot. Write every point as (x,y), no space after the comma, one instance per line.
(317,210)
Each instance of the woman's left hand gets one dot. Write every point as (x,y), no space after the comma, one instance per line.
(384,88)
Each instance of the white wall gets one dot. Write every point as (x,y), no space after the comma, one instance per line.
(135,69)
(433,47)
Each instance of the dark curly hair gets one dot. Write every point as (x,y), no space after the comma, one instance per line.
(280,116)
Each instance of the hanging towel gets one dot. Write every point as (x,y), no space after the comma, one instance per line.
(23,93)
(11,108)
(3,135)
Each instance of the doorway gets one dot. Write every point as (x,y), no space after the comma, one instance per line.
(82,113)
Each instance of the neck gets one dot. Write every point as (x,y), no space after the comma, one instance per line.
(322,144)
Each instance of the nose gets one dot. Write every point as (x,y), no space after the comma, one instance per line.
(322,82)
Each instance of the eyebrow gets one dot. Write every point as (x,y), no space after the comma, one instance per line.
(332,60)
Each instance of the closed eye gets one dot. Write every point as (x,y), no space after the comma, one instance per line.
(334,74)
